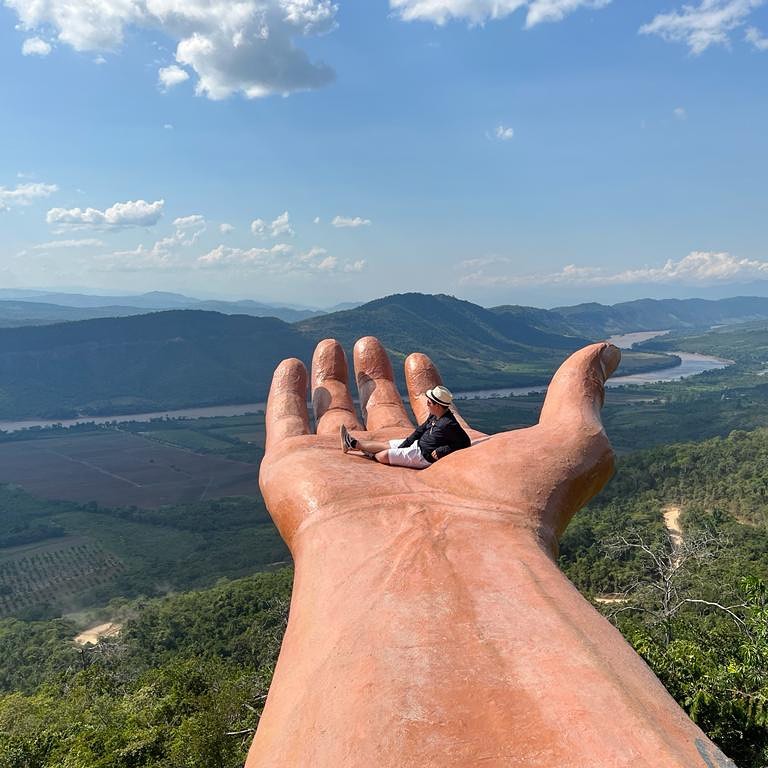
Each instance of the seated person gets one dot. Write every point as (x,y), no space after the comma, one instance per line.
(438,436)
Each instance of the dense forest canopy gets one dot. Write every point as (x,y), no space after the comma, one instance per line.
(184,681)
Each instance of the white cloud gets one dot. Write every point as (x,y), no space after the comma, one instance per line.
(282,225)
(483,261)
(328,264)
(441,11)
(480,11)
(35,46)
(281,258)
(88,242)
(167,77)
(165,253)
(276,228)
(225,228)
(168,126)
(699,27)
(316,220)
(504,134)
(245,47)
(54,245)
(188,222)
(555,10)
(698,267)
(680,113)
(133,213)
(25,194)
(99,60)
(757,39)
(346,222)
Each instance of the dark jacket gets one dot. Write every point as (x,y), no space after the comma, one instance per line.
(443,435)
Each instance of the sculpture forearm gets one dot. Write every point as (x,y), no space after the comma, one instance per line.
(434,652)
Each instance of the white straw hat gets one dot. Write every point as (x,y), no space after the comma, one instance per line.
(440,395)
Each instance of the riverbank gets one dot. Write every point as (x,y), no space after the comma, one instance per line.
(690,365)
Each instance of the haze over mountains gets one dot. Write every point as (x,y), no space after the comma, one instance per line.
(183,358)
(36,307)
(18,307)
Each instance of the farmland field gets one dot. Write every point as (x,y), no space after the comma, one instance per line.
(115,468)
(158,506)
(51,572)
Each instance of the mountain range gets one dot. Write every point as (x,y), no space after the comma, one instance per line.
(182,357)
(661,314)
(19,307)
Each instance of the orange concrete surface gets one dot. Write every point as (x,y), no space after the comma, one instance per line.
(430,626)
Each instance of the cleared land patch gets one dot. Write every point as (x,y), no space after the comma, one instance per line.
(119,469)
(92,635)
(672,523)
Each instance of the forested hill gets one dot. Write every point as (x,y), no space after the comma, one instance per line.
(598,320)
(185,358)
(473,346)
(147,362)
(446,323)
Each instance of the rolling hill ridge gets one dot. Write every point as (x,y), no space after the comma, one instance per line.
(183,358)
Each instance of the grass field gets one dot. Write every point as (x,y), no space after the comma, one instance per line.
(240,438)
(137,551)
(187,438)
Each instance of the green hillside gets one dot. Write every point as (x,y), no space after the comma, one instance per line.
(746,343)
(183,358)
(143,363)
(183,685)
(473,347)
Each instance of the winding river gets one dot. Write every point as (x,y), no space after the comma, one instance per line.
(690,365)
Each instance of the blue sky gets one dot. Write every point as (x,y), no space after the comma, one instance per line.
(504,151)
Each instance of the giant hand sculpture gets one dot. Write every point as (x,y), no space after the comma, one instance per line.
(430,626)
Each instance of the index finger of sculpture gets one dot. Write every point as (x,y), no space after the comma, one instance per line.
(287,414)
(330,391)
(379,399)
(421,374)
